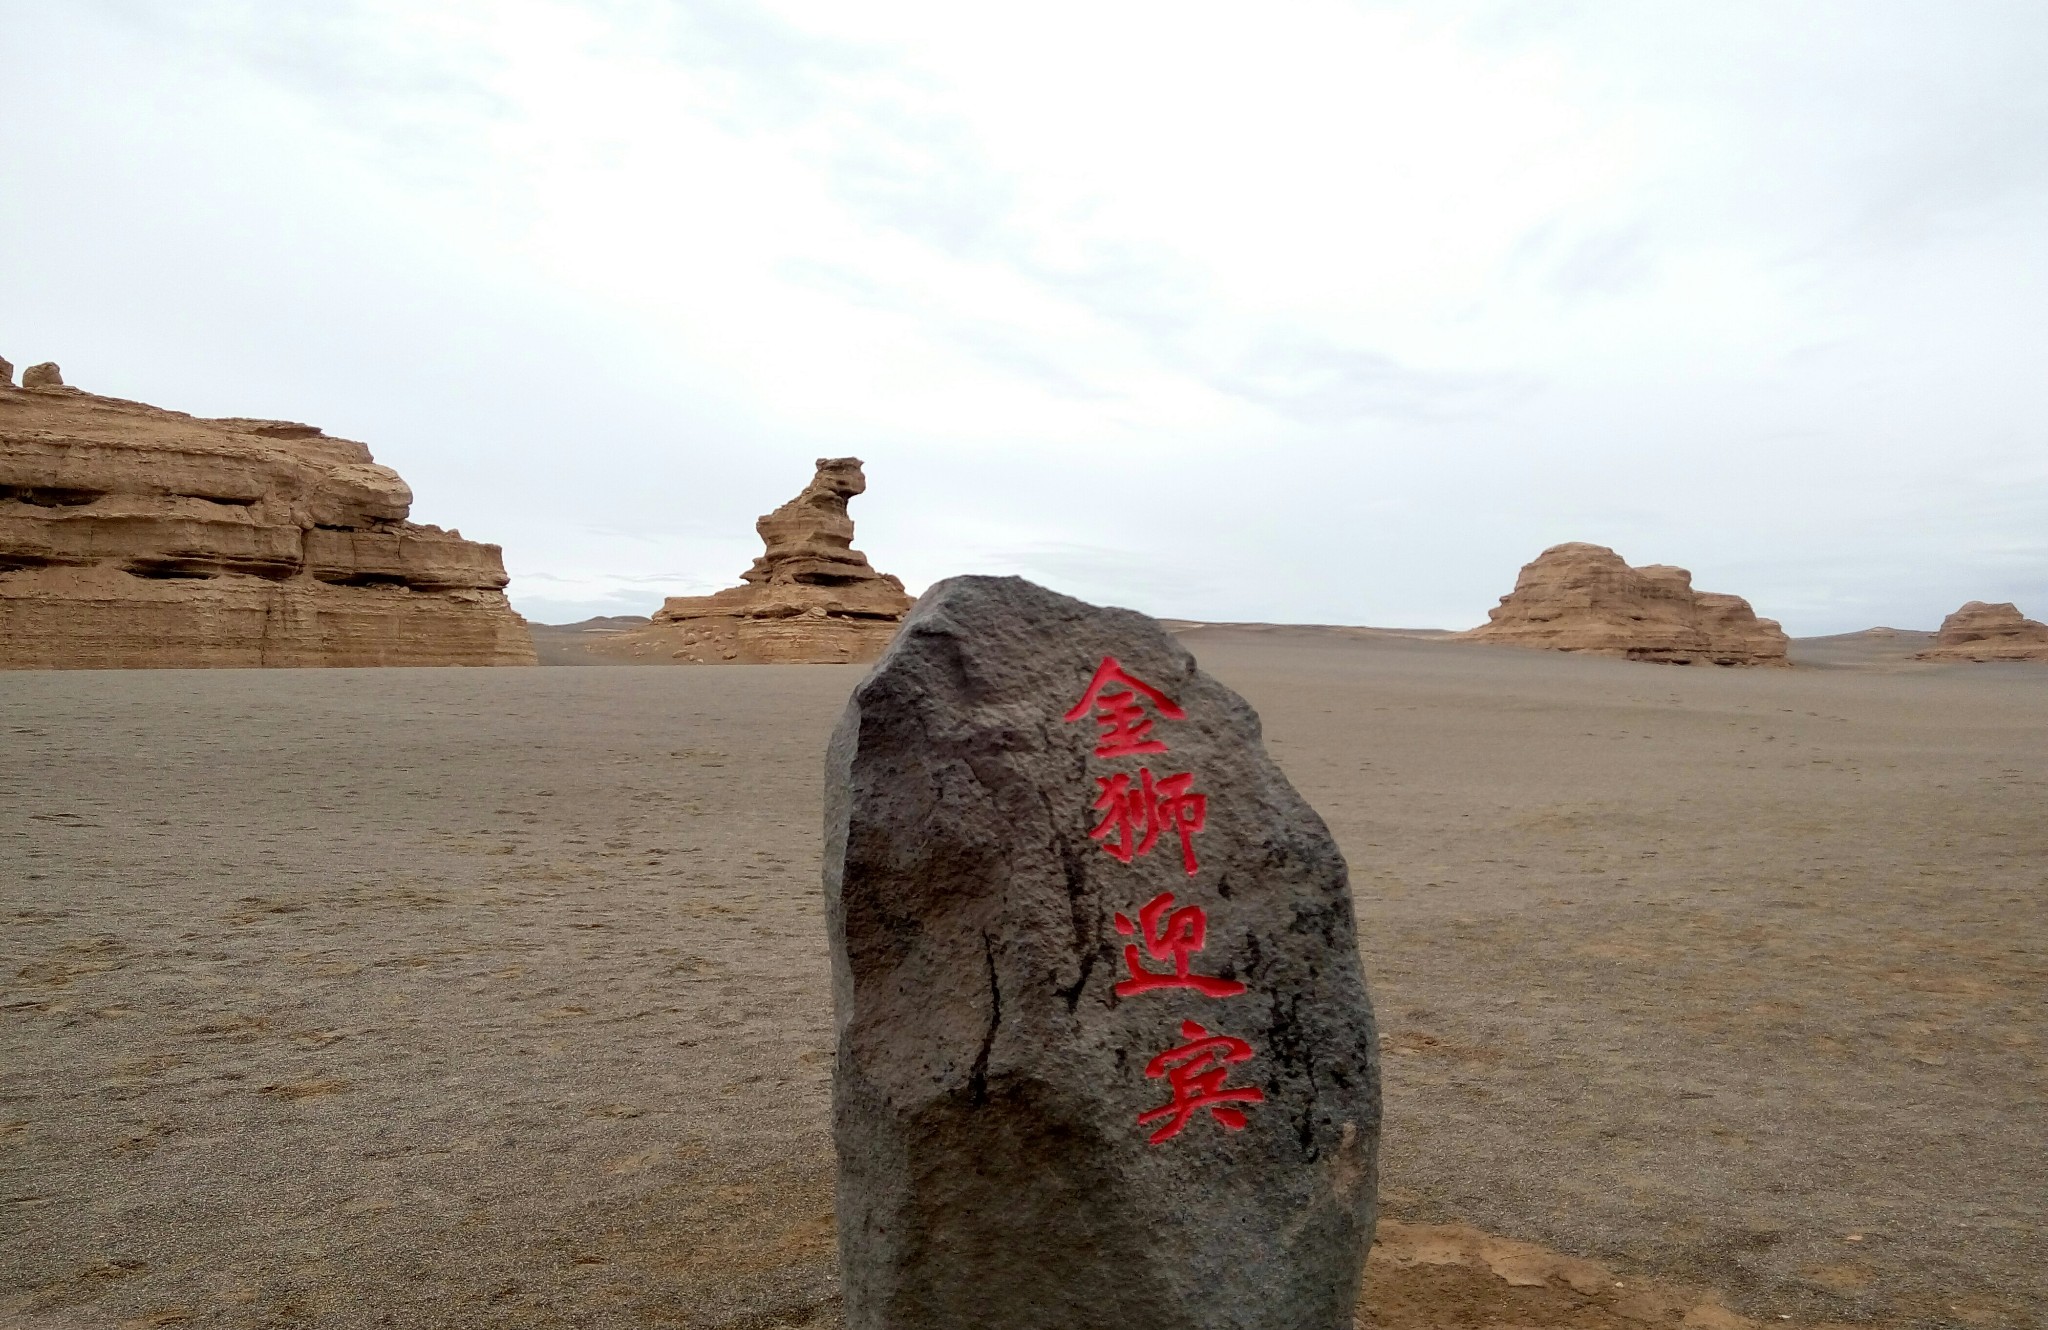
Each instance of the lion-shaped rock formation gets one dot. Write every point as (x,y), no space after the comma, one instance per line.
(137,538)
(1980,631)
(811,598)
(1580,597)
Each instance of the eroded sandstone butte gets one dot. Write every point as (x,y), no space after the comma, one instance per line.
(137,538)
(1982,631)
(1580,597)
(811,598)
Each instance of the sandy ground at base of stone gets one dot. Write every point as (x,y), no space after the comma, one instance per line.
(499,998)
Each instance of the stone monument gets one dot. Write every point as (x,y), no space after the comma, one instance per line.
(1105,1055)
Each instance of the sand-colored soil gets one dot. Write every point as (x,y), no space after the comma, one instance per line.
(499,998)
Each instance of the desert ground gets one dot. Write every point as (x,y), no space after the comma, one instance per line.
(500,997)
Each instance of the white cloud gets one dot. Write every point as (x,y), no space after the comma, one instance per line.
(1323,311)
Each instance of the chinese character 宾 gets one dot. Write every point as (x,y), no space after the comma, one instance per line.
(1113,695)
(1196,1071)
(1169,935)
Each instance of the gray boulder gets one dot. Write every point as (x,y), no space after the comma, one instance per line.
(1105,1055)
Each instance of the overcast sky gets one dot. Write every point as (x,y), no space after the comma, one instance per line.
(1301,311)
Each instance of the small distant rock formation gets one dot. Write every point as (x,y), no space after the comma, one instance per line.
(138,538)
(811,598)
(1980,631)
(6,372)
(1580,597)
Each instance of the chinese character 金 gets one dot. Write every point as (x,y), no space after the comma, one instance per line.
(1134,815)
(1113,695)
(1169,935)
(1196,1071)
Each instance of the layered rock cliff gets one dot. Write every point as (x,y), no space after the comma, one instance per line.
(134,537)
(1579,597)
(811,598)
(1981,631)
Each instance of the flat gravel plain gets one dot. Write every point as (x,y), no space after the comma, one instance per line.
(500,997)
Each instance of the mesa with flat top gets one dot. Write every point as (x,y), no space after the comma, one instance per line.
(1581,597)
(133,537)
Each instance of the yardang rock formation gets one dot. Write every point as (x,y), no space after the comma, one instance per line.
(1980,631)
(134,537)
(1579,597)
(811,598)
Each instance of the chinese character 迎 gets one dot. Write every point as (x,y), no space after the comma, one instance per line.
(1134,815)
(1169,935)
(1113,695)
(1196,1071)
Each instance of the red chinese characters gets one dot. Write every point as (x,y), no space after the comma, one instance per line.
(1195,1072)
(1113,695)
(1137,809)
(1134,815)
(1169,935)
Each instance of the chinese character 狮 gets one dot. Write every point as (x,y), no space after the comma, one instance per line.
(1133,815)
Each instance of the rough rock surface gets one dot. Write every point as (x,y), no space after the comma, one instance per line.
(1579,597)
(45,375)
(133,537)
(1025,986)
(6,372)
(1982,631)
(810,598)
